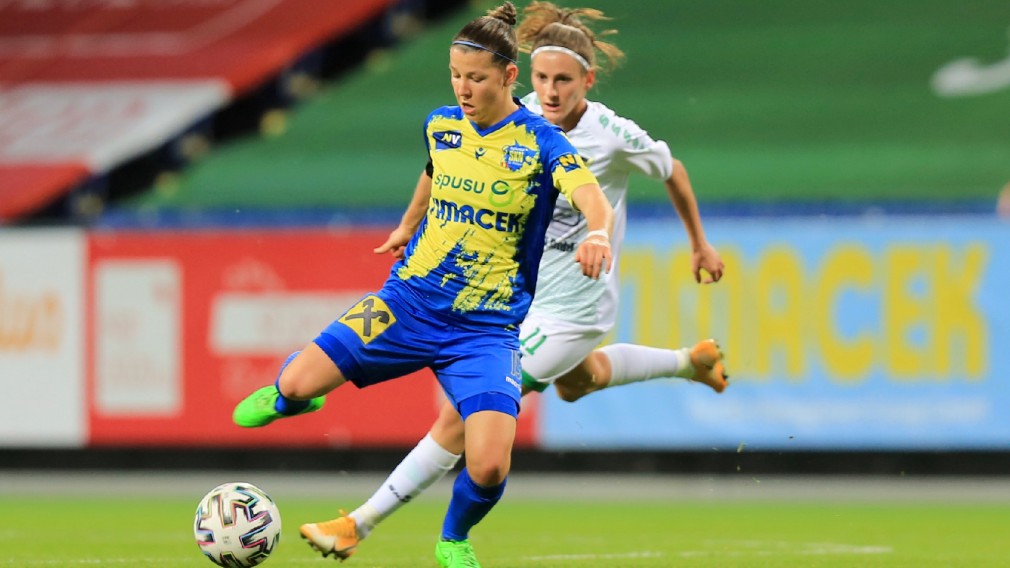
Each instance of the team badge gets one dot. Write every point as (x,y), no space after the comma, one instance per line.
(516,156)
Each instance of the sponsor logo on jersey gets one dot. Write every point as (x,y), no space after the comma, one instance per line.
(447,139)
(501,194)
(516,156)
(443,181)
(570,162)
(479,153)
(449,211)
(563,246)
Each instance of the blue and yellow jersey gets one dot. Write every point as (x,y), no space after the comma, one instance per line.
(475,255)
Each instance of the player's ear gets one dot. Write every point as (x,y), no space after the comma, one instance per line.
(511,74)
(590,78)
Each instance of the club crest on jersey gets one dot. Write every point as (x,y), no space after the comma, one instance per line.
(516,156)
(447,139)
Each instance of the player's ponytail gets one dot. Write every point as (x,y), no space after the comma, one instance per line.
(546,24)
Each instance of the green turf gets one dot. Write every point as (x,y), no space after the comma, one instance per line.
(133,532)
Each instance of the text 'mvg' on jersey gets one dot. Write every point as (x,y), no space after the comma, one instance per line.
(476,253)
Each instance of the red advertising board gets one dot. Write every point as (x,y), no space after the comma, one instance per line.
(183,325)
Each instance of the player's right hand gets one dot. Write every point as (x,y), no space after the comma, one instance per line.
(395,243)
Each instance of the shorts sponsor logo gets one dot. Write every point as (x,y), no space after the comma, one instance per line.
(369,318)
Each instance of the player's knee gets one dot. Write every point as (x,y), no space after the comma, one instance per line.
(298,385)
(568,393)
(488,473)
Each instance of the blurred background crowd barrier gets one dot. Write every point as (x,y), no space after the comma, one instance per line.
(191,190)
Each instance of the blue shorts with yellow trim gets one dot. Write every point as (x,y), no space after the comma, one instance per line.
(383,337)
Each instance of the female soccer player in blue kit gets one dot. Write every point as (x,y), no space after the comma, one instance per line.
(570,314)
(474,234)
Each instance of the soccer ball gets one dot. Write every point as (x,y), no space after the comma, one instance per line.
(237,525)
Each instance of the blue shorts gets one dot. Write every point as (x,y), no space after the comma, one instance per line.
(382,338)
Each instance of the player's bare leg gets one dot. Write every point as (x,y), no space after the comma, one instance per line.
(304,380)
(448,429)
(589,376)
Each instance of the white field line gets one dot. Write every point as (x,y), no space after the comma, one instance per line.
(740,548)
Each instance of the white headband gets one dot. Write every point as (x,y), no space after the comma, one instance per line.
(582,60)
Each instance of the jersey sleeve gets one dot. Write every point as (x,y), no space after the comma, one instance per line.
(568,170)
(424,134)
(637,151)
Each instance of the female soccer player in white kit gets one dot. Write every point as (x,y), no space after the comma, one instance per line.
(570,314)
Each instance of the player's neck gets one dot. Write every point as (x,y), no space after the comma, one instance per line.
(496,117)
(572,120)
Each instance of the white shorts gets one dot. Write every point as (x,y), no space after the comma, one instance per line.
(551,346)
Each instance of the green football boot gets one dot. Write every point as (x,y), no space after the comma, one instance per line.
(257,409)
(455,554)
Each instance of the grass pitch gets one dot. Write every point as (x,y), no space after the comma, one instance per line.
(81,528)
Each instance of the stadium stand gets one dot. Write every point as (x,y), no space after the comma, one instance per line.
(792,106)
(88,89)
(805,107)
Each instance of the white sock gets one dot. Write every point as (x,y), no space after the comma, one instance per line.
(425,464)
(632,363)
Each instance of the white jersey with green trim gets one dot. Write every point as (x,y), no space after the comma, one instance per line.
(613,147)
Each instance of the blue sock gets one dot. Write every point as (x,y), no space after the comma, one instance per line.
(470,502)
(285,405)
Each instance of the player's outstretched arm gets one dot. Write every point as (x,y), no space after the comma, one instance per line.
(703,255)
(594,251)
(411,220)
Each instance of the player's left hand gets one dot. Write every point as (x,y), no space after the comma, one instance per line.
(706,259)
(594,255)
